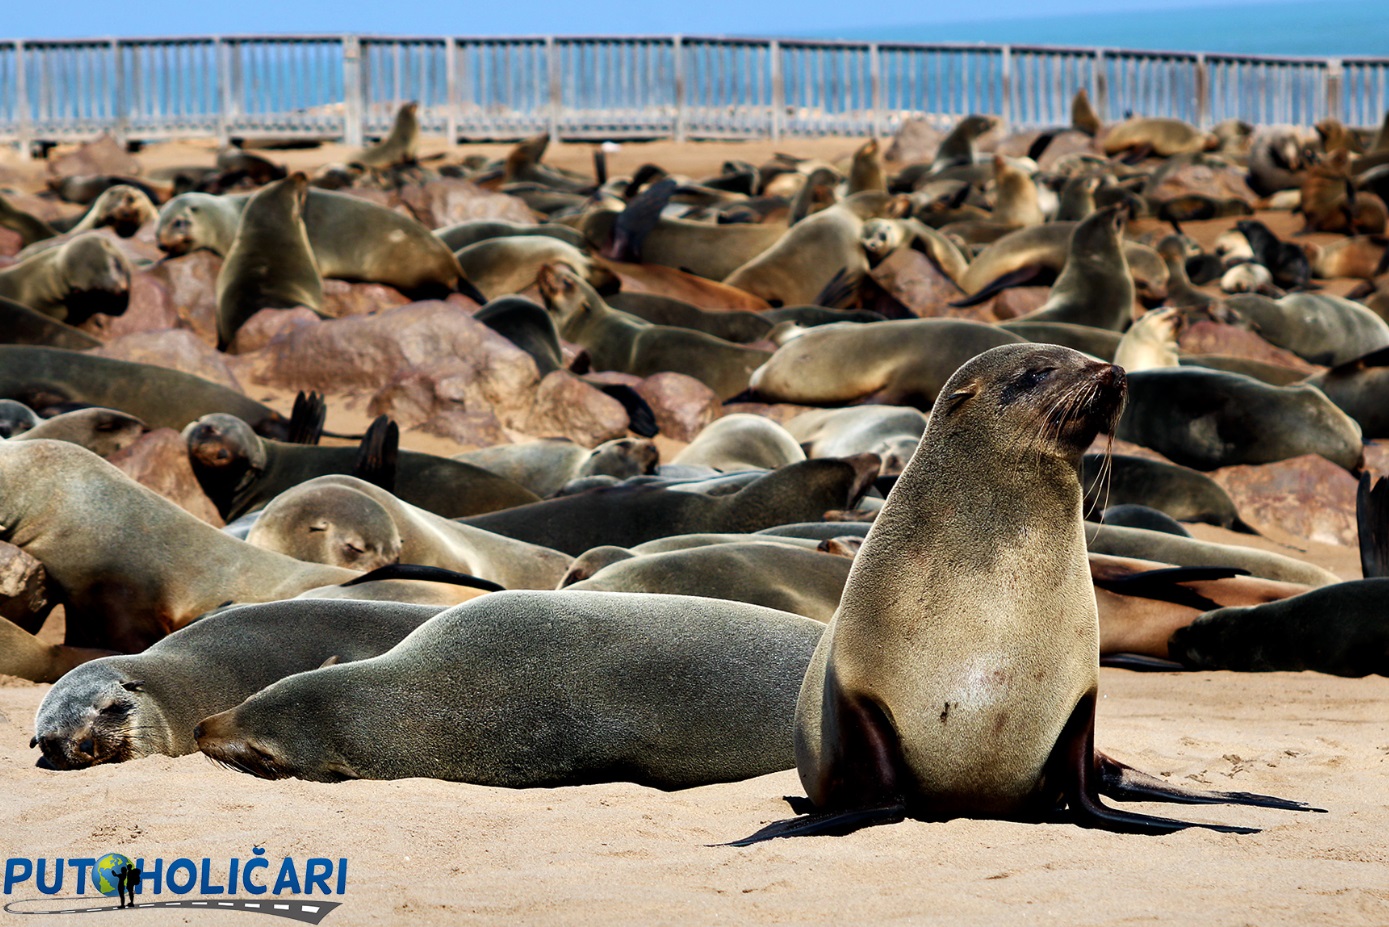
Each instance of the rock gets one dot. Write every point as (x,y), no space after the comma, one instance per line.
(1307,496)
(1018,144)
(470,430)
(446,201)
(683,405)
(24,597)
(103,156)
(1012,303)
(159,461)
(176,349)
(1065,144)
(917,283)
(1233,341)
(1102,445)
(267,325)
(10,243)
(1205,176)
(342,299)
(916,141)
(189,283)
(567,407)
(1377,458)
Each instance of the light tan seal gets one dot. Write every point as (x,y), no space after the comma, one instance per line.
(741,442)
(84,276)
(544,467)
(944,687)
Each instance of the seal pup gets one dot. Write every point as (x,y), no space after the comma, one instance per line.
(101,431)
(541,689)
(346,522)
(460,235)
(84,276)
(400,147)
(1151,342)
(545,467)
(16,418)
(122,708)
(946,689)
(891,432)
(270,264)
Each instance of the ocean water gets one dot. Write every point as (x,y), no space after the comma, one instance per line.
(1332,28)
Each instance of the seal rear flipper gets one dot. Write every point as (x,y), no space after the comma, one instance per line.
(306,421)
(429,574)
(1372,520)
(641,418)
(1140,663)
(643,213)
(1122,782)
(839,292)
(1075,765)
(1165,585)
(825,824)
(1019,277)
(376,459)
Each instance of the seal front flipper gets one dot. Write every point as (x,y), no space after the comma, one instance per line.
(1140,663)
(825,824)
(1019,277)
(1122,782)
(641,418)
(376,459)
(1075,765)
(634,223)
(430,574)
(1372,520)
(306,421)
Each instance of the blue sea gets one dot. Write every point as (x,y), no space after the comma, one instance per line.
(1333,28)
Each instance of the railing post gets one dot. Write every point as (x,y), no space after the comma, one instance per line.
(556,90)
(678,49)
(120,116)
(354,114)
(876,117)
(778,89)
(222,85)
(1005,109)
(21,86)
(451,90)
(1101,89)
(1203,92)
(1335,102)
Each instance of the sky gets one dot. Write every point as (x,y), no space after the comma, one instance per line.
(1322,27)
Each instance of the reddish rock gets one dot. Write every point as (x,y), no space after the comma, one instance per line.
(10,243)
(917,283)
(1233,341)
(567,407)
(1306,496)
(916,141)
(1208,178)
(1018,144)
(24,596)
(683,405)
(342,299)
(189,283)
(1065,145)
(1377,458)
(103,156)
(265,326)
(470,430)
(177,349)
(159,461)
(446,201)
(1102,444)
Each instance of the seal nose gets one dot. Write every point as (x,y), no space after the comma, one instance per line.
(86,746)
(198,732)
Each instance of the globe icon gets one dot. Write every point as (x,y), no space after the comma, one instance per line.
(104,875)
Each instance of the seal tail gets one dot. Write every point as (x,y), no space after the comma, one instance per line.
(1372,520)
(830,824)
(377,457)
(306,421)
(430,574)
(1019,277)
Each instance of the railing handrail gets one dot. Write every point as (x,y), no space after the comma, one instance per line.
(336,85)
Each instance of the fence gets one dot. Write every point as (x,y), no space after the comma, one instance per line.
(348,87)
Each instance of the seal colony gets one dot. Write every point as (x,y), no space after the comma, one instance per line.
(786,465)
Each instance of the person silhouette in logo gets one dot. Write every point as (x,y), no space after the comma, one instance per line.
(132,882)
(121,881)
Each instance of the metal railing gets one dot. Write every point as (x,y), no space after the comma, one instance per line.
(581,87)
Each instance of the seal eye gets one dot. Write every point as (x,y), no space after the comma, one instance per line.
(1034,378)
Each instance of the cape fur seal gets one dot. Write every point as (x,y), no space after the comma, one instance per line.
(346,522)
(270,264)
(545,467)
(938,695)
(21,325)
(242,472)
(84,276)
(891,432)
(351,238)
(101,431)
(1095,287)
(626,515)
(541,689)
(123,708)
(400,147)
(741,442)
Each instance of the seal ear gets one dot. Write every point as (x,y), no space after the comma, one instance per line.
(334,660)
(134,685)
(956,399)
